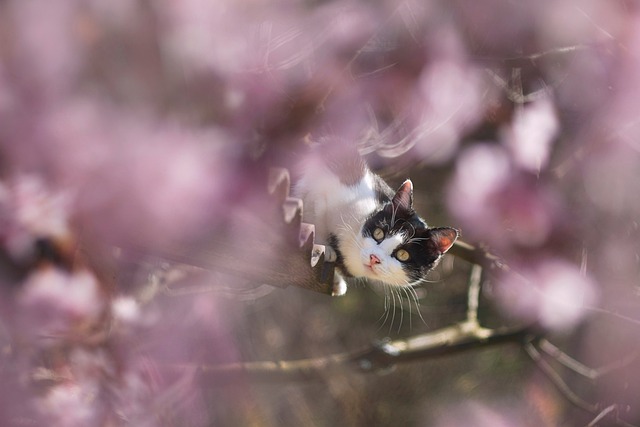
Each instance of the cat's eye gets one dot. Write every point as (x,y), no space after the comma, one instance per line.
(378,234)
(403,255)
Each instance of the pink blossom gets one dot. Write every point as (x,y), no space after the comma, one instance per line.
(554,293)
(497,203)
(125,309)
(569,22)
(531,133)
(70,404)
(451,91)
(49,52)
(480,415)
(132,178)
(481,173)
(30,211)
(55,301)
(203,34)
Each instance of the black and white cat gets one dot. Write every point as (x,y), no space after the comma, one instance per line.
(373,230)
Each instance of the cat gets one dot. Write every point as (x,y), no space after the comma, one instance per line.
(372,229)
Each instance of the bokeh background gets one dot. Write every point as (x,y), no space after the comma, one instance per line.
(128,126)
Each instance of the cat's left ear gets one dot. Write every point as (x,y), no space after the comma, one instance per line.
(444,238)
(403,198)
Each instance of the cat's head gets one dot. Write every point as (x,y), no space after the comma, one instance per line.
(396,246)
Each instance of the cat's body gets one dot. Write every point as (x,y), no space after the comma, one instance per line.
(373,229)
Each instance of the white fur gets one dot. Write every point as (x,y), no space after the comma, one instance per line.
(342,210)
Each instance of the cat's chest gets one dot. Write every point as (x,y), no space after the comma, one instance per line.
(357,201)
(336,208)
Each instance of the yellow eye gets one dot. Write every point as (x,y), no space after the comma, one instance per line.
(403,255)
(378,234)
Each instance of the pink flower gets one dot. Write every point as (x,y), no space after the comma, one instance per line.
(30,211)
(55,301)
(554,293)
(481,173)
(70,404)
(125,310)
(531,133)
(478,414)
(498,204)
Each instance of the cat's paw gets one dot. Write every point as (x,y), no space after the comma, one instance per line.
(339,286)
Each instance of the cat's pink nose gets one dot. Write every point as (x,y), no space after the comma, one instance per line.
(373,259)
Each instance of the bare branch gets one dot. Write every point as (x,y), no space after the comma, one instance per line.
(606,411)
(383,355)
(557,380)
(477,255)
(563,387)
(473,296)
(515,95)
(579,368)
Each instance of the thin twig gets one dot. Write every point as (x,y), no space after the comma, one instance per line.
(475,281)
(524,60)
(477,255)
(557,380)
(513,95)
(606,411)
(566,391)
(614,314)
(579,368)
(567,360)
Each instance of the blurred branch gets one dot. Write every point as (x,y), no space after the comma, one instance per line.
(522,60)
(515,94)
(577,367)
(557,380)
(462,336)
(477,255)
(611,409)
(473,295)
(286,250)
(580,369)
(480,257)
(445,341)
(380,356)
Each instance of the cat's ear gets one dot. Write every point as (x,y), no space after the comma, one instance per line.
(444,237)
(403,199)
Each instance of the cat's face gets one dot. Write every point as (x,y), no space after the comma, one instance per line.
(395,245)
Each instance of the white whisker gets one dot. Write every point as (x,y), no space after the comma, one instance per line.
(394,209)
(414,294)
(417,239)
(404,290)
(401,309)
(387,304)
(413,229)
(393,313)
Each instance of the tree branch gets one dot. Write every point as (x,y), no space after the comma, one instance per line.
(579,368)
(563,387)
(380,356)
(478,255)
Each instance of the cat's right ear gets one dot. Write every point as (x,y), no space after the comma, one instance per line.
(444,237)
(403,199)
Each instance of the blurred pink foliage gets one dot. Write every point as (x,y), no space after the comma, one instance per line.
(554,293)
(481,415)
(128,125)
